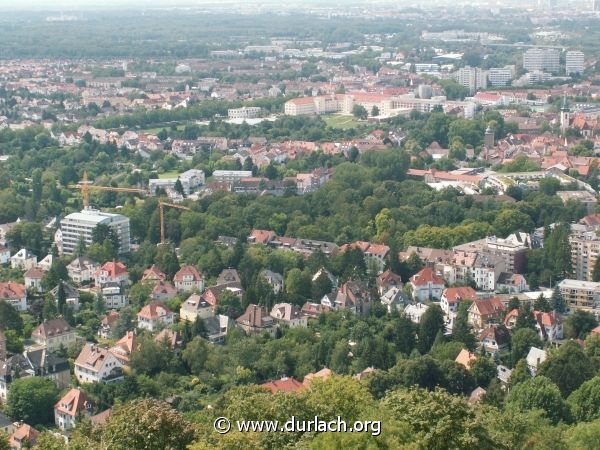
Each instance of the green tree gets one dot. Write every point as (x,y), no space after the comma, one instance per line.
(521,342)
(583,436)
(374,111)
(149,424)
(461,331)
(32,400)
(484,371)
(321,286)
(61,299)
(47,440)
(568,367)
(359,112)
(520,373)
(10,319)
(557,301)
(431,324)
(579,324)
(195,355)
(585,401)
(542,304)
(538,393)
(525,318)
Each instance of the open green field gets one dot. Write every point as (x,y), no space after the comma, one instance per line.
(343,122)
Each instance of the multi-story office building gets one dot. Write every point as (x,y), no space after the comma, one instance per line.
(77,225)
(245,112)
(547,59)
(574,62)
(473,78)
(580,294)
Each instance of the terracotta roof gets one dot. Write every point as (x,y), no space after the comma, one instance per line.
(389,277)
(101,418)
(425,276)
(256,317)
(114,268)
(465,357)
(163,288)
(188,271)
(285,384)
(314,309)
(12,291)
(489,307)
(499,333)
(124,346)
(153,274)
(51,328)
(455,294)
(154,310)
(24,433)
(34,272)
(92,357)
(110,319)
(261,236)
(173,338)
(73,403)
(323,373)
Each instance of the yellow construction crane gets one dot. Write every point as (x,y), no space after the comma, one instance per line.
(161,206)
(86,186)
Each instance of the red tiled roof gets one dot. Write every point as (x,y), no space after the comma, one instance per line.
(74,402)
(454,294)
(12,291)
(114,268)
(285,384)
(188,271)
(153,311)
(426,276)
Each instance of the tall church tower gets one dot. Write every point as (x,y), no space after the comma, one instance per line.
(565,116)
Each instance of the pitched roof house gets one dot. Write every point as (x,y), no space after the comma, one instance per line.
(195,308)
(285,384)
(70,409)
(188,278)
(23,437)
(484,312)
(155,315)
(387,280)
(289,314)
(163,291)
(82,270)
(256,319)
(452,296)
(112,271)
(426,285)
(96,364)
(153,274)
(124,347)
(355,296)
(53,334)
(466,358)
(494,339)
(314,310)
(15,294)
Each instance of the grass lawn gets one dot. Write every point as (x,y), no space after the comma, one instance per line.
(343,122)
(171,174)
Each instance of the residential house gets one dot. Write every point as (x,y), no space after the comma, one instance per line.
(275,280)
(82,270)
(393,299)
(163,291)
(96,364)
(171,338)
(155,316)
(23,260)
(451,297)
(107,325)
(288,314)
(374,253)
(256,319)
(114,295)
(387,280)
(71,295)
(465,358)
(33,363)
(5,229)
(212,294)
(25,436)
(112,272)
(314,310)
(229,276)
(188,278)
(195,308)
(46,263)
(261,236)
(494,339)
(426,285)
(71,409)
(54,334)
(15,294)
(549,325)
(217,328)
(511,283)
(153,274)
(124,347)
(355,296)
(484,312)
(322,374)
(415,312)
(285,384)
(33,279)
(535,357)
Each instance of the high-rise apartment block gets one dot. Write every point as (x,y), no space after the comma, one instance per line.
(547,59)
(574,62)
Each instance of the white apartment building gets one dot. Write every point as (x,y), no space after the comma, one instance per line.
(501,76)
(190,180)
(542,59)
(230,175)
(75,225)
(472,78)
(574,62)
(245,112)
(580,294)
(584,253)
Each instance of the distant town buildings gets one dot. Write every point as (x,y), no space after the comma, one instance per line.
(574,62)
(543,59)
(472,78)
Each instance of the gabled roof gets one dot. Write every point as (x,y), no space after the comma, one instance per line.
(34,273)
(455,294)
(24,433)
(285,384)
(153,273)
(114,269)
(389,277)
(163,288)
(426,276)
(286,312)
(73,403)
(154,311)
(188,271)
(498,333)
(12,291)
(256,317)
(92,357)
(324,373)
(489,307)
(51,328)
(228,276)
(466,358)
